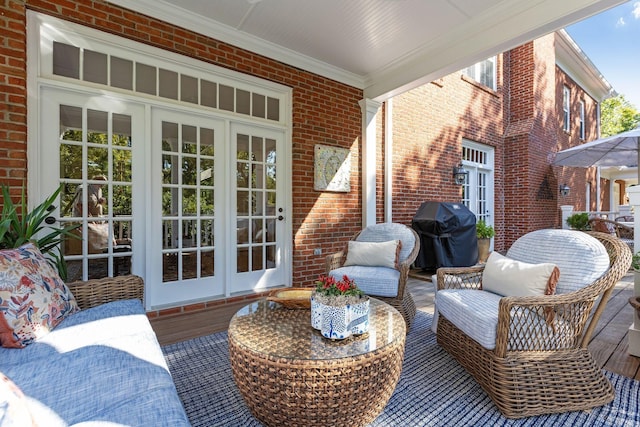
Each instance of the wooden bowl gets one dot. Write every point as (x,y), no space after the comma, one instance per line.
(295,298)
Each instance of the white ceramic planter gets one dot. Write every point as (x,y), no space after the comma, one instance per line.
(336,320)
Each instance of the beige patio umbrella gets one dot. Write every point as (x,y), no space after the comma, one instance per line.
(617,150)
(622,149)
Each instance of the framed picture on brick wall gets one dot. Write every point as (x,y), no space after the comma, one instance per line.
(332,170)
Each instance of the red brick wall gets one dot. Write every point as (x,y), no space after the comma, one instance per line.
(13,96)
(324,112)
(429,124)
(522,120)
(577,178)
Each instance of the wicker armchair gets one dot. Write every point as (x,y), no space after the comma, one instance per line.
(94,292)
(538,368)
(364,276)
(621,231)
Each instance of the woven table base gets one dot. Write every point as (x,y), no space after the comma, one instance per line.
(288,374)
(338,393)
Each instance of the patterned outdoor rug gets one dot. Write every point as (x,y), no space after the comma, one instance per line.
(433,390)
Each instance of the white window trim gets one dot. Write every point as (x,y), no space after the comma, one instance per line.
(489,167)
(582,120)
(477,71)
(566,109)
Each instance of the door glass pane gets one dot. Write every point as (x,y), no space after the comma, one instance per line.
(206,233)
(145,79)
(121,130)
(206,171)
(255,202)
(206,202)
(70,161)
(122,200)
(71,123)
(169,237)
(187,201)
(122,167)
(66,60)
(169,267)
(189,170)
(94,68)
(169,201)
(168,84)
(207,137)
(98,127)
(169,175)
(121,73)
(190,265)
(97,160)
(100,207)
(206,267)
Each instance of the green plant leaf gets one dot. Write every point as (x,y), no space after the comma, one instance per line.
(30,226)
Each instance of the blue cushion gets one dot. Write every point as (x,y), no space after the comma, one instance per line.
(375,281)
(101,364)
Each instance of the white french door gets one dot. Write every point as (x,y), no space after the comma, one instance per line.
(258,208)
(186,237)
(88,144)
(217,212)
(478,189)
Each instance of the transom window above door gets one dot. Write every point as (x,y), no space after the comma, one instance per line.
(132,75)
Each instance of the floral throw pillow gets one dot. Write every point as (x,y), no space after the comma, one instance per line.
(33,298)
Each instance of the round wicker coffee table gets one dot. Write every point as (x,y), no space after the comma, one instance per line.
(290,375)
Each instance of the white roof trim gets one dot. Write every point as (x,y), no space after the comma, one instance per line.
(573,61)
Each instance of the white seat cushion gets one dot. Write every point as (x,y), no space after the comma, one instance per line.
(375,281)
(476,314)
(473,312)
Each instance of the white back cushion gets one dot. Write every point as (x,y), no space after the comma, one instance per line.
(508,277)
(390,231)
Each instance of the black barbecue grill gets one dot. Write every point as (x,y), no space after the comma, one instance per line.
(447,234)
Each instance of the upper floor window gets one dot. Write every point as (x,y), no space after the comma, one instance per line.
(483,72)
(582,130)
(566,109)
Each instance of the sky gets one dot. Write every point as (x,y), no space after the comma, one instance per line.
(611,40)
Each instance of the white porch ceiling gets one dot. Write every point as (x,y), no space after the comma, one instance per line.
(384,47)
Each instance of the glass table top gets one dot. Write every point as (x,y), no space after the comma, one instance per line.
(269,329)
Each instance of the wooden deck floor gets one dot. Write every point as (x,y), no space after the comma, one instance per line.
(609,344)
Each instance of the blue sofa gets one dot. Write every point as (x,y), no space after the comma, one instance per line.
(100,366)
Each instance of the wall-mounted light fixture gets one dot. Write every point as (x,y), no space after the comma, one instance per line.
(564,190)
(459,174)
